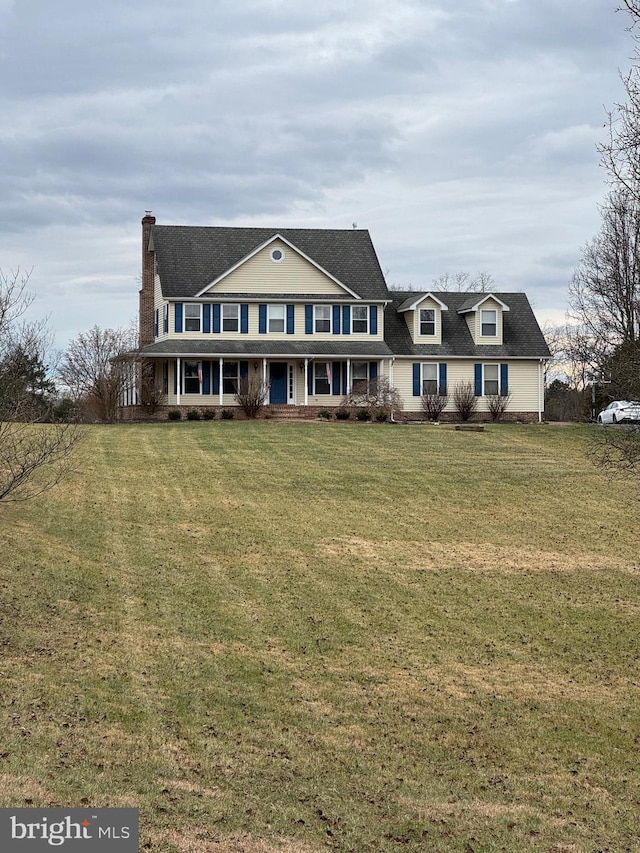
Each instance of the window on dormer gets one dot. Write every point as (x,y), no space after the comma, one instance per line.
(489,321)
(192,318)
(427,321)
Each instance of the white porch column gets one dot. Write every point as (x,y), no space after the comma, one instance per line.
(264,371)
(220,400)
(348,376)
(306,382)
(178,380)
(390,371)
(540,392)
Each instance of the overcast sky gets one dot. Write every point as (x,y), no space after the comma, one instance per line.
(461,134)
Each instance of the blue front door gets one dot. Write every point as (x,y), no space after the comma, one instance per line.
(278,382)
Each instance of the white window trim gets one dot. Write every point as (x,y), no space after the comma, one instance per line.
(184,318)
(282,255)
(366,319)
(434,321)
(223,364)
(235,305)
(429,379)
(493,311)
(329,378)
(283,308)
(315,328)
(490,364)
(184,376)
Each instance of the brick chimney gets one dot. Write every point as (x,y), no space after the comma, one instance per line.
(148,280)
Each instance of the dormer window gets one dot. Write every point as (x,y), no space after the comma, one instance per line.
(427,321)
(489,321)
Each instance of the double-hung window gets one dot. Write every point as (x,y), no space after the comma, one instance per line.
(359,372)
(230,318)
(491,380)
(322,318)
(192,377)
(489,322)
(192,319)
(429,378)
(276,318)
(322,377)
(360,319)
(230,377)
(427,321)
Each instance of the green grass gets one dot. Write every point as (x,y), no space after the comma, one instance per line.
(301,637)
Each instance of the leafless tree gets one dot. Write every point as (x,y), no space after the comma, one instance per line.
(465,400)
(620,153)
(433,405)
(252,394)
(33,456)
(464,282)
(97,368)
(378,397)
(497,404)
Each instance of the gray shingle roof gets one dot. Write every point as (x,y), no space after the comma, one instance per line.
(522,337)
(191,257)
(211,348)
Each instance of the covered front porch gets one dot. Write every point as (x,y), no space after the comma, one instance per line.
(309,381)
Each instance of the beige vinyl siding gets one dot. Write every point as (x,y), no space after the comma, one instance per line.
(413,321)
(475,323)
(523,383)
(253,333)
(259,274)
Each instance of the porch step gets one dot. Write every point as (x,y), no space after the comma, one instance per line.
(291,413)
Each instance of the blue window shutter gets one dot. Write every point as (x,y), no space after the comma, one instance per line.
(504,379)
(310,378)
(442,380)
(416,379)
(373,319)
(206,318)
(206,377)
(215,370)
(178,317)
(477,378)
(336,377)
(216,319)
(308,319)
(344,377)
(244,369)
(244,319)
(346,319)
(373,370)
(291,319)
(262,319)
(336,319)
(155,323)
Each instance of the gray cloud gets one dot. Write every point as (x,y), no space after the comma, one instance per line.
(462,135)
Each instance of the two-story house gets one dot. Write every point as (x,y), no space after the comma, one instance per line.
(309,313)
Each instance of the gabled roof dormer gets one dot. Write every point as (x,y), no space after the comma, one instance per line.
(423,315)
(483,313)
(277,266)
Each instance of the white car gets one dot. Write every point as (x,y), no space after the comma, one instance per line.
(620,412)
